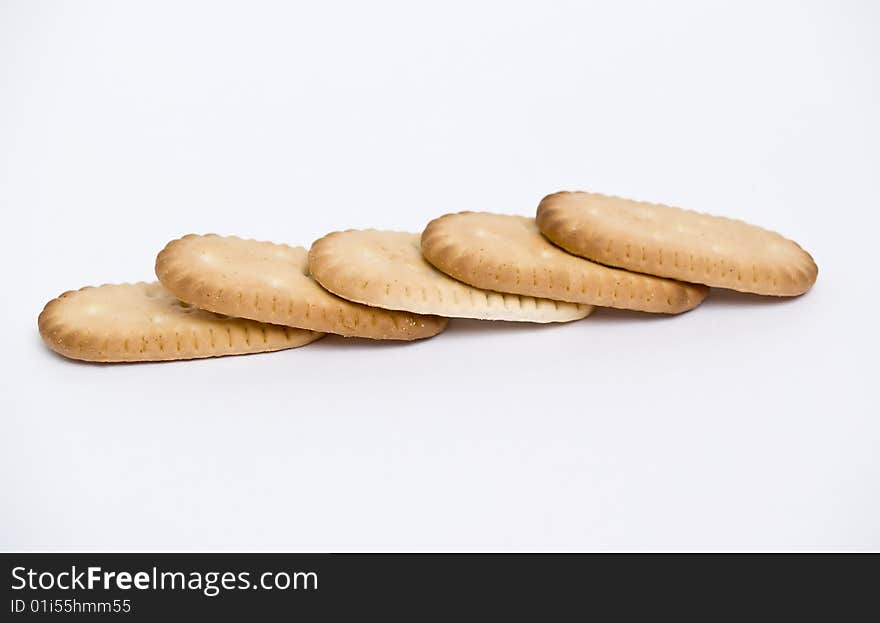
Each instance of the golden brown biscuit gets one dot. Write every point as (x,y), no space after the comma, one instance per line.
(680,244)
(144,322)
(270,282)
(386,269)
(508,254)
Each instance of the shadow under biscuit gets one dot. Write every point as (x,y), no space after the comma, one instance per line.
(612,315)
(332,341)
(468,326)
(720,297)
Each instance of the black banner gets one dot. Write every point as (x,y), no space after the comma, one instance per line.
(151,587)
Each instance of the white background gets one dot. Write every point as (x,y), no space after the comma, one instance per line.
(747,424)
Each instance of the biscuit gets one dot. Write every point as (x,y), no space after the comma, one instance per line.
(144,322)
(386,269)
(270,282)
(675,243)
(508,254)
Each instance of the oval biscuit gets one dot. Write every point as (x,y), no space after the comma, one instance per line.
(270,282)
(680,244)
(145,322)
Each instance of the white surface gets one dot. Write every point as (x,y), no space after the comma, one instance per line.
(745,424)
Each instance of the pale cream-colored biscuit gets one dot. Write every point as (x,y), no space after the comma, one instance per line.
(145,322)
(270,282)
(680,244)
(508,254)
(386,269)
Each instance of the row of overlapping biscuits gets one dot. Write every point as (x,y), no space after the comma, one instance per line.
(226,295)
